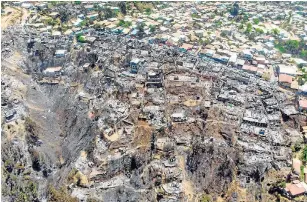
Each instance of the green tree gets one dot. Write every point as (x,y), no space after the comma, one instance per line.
(223,34)
(256,21)
(64,15)
(123,23)
(304,154)
(195,15)
(62,194)
(289,18)
(122,7)
(83,23)
(219,23)
(292,45)
(140,27)
(54,3)
(152,28)
(148,11)
(206,198)
(282,184)
(303,53)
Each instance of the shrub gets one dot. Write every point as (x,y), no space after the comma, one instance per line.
(123,23)
(275,31)
(259,31)
(206,198)
(282,184)
(59,195)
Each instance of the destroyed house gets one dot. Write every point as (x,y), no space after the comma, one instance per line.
(179,117)
(270,102)
(254,118)
(135,65)
(154,78)
(274,118)
(10,114)
(231,97)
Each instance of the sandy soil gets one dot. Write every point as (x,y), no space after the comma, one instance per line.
(114,137)
(16,16)
(191,103)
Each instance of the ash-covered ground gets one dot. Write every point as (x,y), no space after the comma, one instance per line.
(118,119)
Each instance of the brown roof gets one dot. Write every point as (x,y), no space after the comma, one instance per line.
(296,164)
(303,103)
(284,78)
(250,68)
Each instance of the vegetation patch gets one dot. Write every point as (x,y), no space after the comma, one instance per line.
(61,194)
(123,23)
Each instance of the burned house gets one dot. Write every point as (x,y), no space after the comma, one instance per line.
(10,115)
(60,53)
(52,71)
(179,117)
(271,105)
(154,78)
(231,97)
(255,118)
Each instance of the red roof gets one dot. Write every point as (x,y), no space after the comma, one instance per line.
(284,78)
